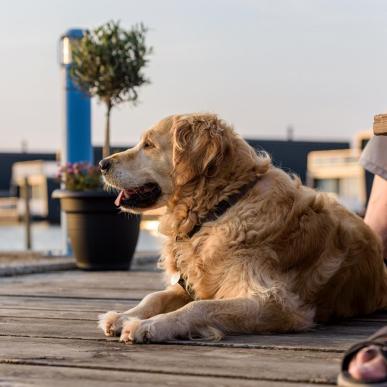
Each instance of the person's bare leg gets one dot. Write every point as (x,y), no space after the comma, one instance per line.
(376,214)
(369,364)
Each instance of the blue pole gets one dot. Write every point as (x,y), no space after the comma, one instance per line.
(77,141)
(77,120)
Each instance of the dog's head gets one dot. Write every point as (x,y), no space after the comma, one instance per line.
(175,152)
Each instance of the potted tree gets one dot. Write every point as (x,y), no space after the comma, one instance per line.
(107,63)
(101,237)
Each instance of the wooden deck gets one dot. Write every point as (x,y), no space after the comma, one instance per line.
(49,337)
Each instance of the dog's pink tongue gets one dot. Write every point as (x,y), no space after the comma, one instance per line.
(118,201)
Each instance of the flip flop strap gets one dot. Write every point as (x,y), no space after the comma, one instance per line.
(380,334)
(379,341)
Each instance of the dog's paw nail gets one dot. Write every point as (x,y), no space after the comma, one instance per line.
(125,339)
(109,323)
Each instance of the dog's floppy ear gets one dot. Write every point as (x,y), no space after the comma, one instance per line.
(198,147)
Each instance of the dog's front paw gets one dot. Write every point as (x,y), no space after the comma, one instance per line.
(154,330)
(111,322)
(135,331)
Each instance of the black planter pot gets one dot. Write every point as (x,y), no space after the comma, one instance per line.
(102,238)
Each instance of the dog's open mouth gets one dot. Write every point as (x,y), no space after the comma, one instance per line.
(139,197)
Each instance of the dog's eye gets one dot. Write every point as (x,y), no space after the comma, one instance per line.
(148,145)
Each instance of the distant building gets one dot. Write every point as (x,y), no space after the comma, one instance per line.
(292,156)
(339,173)
(289,155)
(6,162)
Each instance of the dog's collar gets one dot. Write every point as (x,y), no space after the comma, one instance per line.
(221,208)
(214,214)
(178,278)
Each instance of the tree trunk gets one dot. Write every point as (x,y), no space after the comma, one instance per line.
(106,145)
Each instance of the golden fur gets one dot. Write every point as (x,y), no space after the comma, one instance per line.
(280,259)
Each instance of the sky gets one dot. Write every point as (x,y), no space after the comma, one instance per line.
(319,66)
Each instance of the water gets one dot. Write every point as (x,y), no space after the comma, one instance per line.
(48,238)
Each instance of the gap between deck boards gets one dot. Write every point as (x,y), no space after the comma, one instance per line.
(159,372)
(48,376)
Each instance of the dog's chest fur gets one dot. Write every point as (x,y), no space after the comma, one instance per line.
(209,263)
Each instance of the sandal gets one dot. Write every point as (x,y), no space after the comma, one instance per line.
(379,339)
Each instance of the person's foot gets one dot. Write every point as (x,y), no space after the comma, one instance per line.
(368,365)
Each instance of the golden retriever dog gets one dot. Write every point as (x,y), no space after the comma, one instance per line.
(249,249)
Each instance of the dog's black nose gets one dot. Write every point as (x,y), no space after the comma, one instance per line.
(105,165)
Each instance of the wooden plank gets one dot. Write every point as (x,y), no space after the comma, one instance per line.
(18,375)
(49,314)
(380,125)
(107,285)
(71,304)
(338,336)
(331,338)
(89,312)
(289,366)
(362,327)
(104,279)
(102,305)
(89,294)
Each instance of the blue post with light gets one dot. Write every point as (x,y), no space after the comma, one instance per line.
(77,134)
(77,118)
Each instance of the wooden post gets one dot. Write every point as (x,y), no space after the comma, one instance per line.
(27,214)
